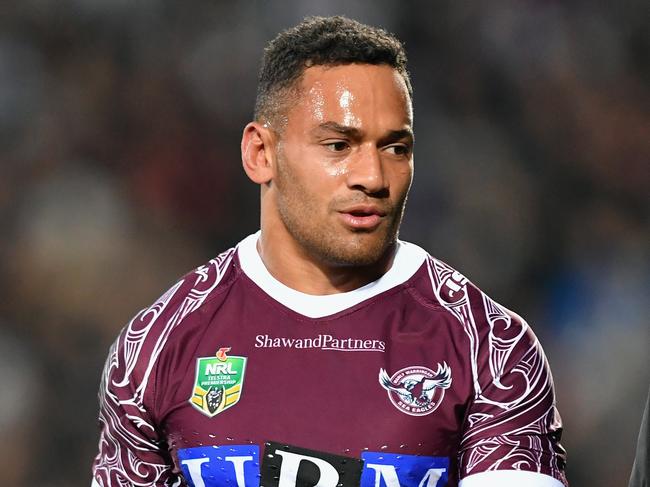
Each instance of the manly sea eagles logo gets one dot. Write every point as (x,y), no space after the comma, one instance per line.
(219,382)
(417,391)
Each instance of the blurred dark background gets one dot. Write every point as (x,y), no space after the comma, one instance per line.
(120,170)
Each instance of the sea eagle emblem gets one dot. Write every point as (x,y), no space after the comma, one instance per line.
(416,390)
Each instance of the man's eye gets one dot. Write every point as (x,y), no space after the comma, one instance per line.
(398,150)
(337,146)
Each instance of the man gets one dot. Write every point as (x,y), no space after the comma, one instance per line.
(322,351)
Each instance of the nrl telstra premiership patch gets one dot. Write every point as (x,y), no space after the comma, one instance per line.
(219,382)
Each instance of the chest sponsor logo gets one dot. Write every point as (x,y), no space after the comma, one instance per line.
(416,391)
(208,466)
(218,383)
(322,342)
(289,466)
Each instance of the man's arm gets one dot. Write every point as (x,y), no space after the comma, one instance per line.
(129,445)
(131,450)
(513,428)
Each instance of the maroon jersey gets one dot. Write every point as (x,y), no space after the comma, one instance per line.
(232,378)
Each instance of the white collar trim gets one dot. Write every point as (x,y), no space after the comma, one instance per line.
(408,259)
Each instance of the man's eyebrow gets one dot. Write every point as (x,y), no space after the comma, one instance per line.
(338,128)
(395,135)
(353,132)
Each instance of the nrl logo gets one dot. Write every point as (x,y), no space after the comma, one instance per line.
(417,391)
(219,382)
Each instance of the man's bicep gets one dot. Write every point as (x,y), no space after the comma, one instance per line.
(513,424)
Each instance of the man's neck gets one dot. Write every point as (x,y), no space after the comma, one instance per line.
(294,267)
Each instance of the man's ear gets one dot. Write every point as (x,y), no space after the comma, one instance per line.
(257,152)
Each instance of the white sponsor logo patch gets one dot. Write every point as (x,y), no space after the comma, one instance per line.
(322,342)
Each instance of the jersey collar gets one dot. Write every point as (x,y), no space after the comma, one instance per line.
(408,259)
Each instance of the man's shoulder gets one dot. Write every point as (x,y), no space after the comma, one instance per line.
(193,290)
(447,287)
(437,282)
(152,327)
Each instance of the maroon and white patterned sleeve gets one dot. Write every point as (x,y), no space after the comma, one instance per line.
(131,452)
(512,423)
(131,449)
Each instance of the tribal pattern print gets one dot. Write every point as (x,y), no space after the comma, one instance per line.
(124,418)
(450,288)
(513,421)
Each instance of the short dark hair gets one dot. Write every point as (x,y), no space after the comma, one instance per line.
(327,41)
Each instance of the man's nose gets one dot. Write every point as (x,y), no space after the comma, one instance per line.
(366,171)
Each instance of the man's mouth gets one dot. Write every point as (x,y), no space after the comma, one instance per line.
(362,217)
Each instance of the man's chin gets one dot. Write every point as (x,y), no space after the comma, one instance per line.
(361,249)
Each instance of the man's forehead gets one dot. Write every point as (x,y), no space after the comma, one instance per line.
(355,75)
(351,88)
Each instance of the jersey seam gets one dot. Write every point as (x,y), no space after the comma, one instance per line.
(431,304)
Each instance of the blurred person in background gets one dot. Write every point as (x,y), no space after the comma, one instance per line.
(322,350)
(22,390)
